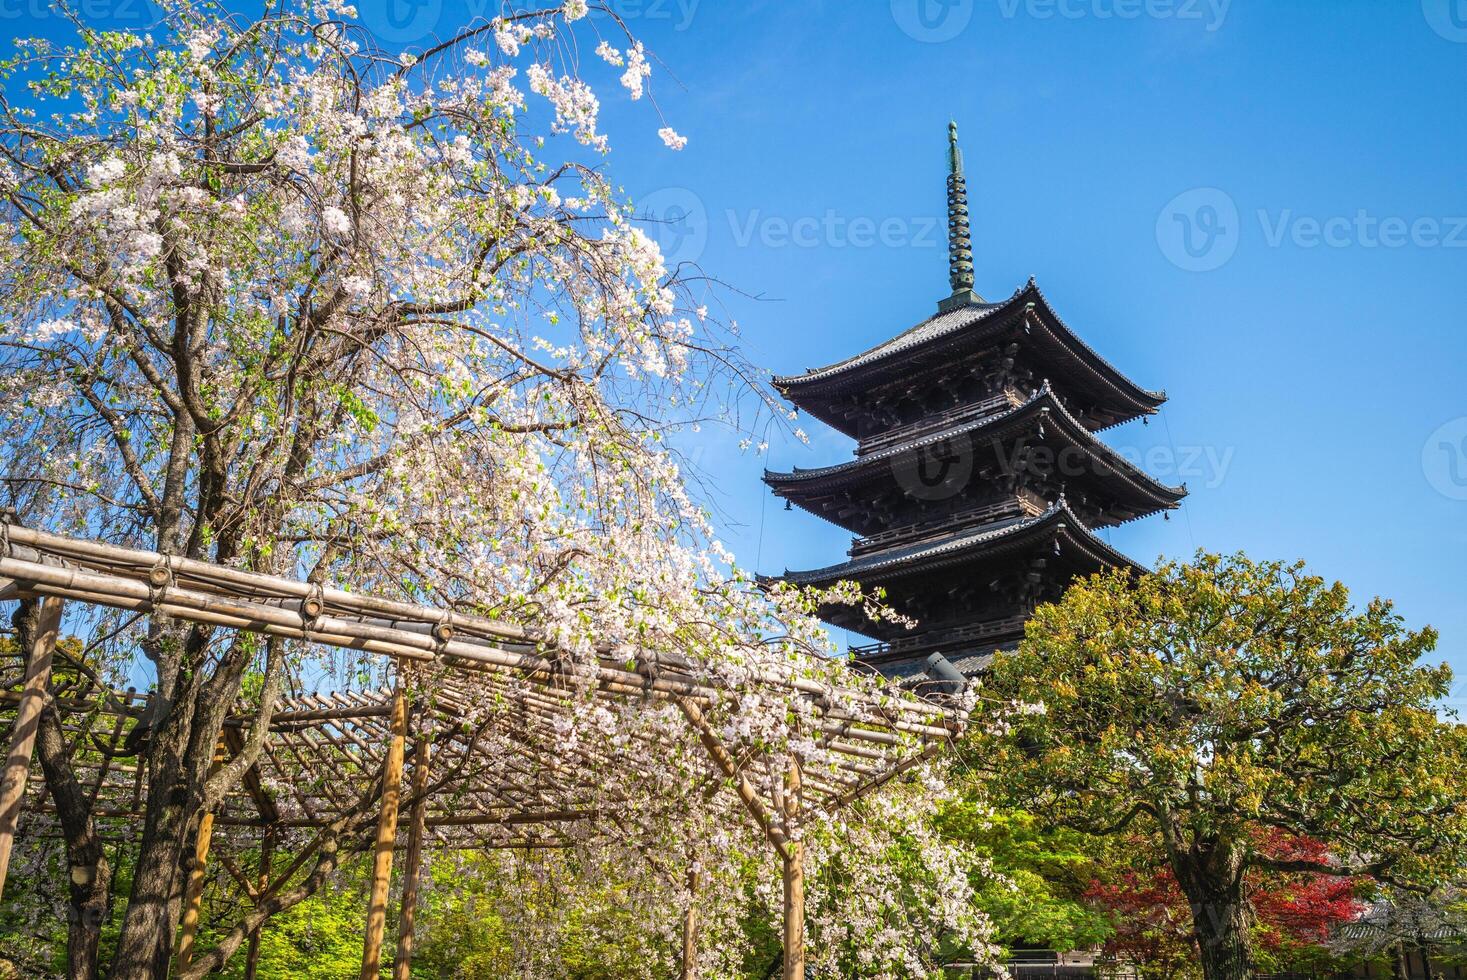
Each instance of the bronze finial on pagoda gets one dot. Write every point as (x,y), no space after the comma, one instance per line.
(959,236)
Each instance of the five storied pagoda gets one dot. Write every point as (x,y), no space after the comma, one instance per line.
(978,481)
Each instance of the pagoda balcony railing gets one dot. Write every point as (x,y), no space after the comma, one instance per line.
(919,531)
(962,636)
(938,421)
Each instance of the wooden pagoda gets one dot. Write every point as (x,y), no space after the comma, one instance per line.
(978,481)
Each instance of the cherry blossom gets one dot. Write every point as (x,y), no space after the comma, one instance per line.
(378,320)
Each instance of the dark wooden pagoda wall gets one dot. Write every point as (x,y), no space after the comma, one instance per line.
(915,521)
(957,555)
(956,598)
(948,393)
(1020,475)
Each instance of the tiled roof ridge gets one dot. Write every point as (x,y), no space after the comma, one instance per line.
(1059,509)
(893,345)
(962,318)
(1159,395)
(1045,392)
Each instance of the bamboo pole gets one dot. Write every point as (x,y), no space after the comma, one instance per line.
(690,927)
(393,640)
(386,841)
(402,964)
(399,616)
(267,854)
(27,723)
(794,881)
(469,819)
(859,726)
(141,564)
(882,778)
(745,790)
(193,894)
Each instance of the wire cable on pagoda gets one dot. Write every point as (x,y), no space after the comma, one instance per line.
(1186,512)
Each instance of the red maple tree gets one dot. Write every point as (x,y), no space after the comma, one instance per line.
(1297,910)
(1292,913)
(1153,925)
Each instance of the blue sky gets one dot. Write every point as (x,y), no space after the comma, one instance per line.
(1322,143)
(1257,205)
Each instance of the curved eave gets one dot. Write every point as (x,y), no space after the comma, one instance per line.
(952,327)
(1152,399)
(1043,406)
(1058,521)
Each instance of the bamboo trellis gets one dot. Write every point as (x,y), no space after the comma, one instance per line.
(499,778)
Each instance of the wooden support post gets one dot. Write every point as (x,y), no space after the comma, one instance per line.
(720,756)
(267,855)
(252,955)
(402,965)
(193,894)
(794,881)
(690,929)
(386,841)
(27,723)
(794,912)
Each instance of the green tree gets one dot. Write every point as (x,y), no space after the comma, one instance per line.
(320,938)
(1211,702)
(1033,889)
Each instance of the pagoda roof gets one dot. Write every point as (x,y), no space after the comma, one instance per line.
(910,669)
(963,327)
(1042,406)
(1004,537)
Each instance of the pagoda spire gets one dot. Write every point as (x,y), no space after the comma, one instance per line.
(959,236)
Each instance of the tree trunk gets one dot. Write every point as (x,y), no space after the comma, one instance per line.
(89,874)
(176,768)
(180,752)
(1211,876)
(1400,965)
(149,926)
(1424,948)
(1222,936)
(86,860)
(267,853)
